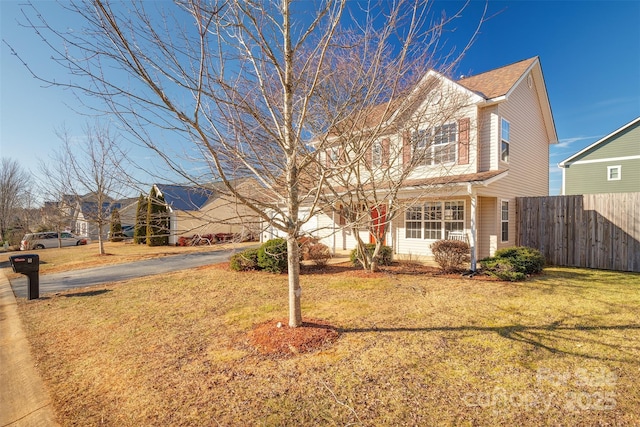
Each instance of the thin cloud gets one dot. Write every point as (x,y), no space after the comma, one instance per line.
(566,142)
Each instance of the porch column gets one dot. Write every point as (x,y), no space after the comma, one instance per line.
(333,231)
(474,226)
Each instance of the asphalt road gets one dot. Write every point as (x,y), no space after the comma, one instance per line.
(57,282)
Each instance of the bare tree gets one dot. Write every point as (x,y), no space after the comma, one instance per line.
(15,190)
(235,84)
(85,176)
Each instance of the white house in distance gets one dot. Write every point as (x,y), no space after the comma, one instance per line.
(494,150)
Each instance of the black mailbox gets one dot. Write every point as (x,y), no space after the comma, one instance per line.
(29,265)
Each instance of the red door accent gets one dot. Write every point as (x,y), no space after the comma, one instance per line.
(378,219)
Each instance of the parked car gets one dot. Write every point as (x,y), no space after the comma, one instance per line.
(127,232)
(49,239)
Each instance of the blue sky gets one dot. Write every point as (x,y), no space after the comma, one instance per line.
(589,51)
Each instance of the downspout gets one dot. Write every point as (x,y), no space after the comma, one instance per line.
(392,241)
(474,225)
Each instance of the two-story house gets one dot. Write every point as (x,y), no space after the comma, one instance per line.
(473,164)
(609,165)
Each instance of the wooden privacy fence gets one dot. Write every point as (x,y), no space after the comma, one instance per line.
(590,230)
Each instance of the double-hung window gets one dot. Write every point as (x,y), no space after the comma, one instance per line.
(505,140)
(413,222)
(334,153)
(376,153)
(614,173)
(433,220)
(444,143)
(504,221)
(436,146)
(453,216)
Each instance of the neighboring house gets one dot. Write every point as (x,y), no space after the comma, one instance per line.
(495,149)
(609,165)
(86,215)
(201,211)
(127,210)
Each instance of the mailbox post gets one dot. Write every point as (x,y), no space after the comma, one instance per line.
(29,265)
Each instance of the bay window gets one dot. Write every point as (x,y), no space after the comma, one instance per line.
(437,219)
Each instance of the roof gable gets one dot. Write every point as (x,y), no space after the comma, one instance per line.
(497,82)
(599,142)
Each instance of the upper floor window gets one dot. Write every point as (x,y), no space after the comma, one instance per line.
(376,153)
(614,173)
(437,145)
(505,140)
(333,155)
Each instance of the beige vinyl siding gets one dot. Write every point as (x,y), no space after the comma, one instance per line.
(487,226)
(591,178)
(217,216)
(488,134)
(528,166)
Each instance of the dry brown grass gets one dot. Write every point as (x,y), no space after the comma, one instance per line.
(561,349)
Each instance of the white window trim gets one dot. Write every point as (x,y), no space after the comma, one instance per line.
(377,153)
(610,168)
(431,147)
(508,141)
(502,221)
(443,221)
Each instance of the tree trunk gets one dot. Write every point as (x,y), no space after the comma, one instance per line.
(295,291)
(100,245)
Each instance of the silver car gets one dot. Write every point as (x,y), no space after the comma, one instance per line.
(49,239)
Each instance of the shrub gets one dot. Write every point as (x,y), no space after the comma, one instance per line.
(513,263)
(305,244)
(115,229)
(385,256)
(272,255)
(527,260)
(319,254)
(451,255)
(244,261)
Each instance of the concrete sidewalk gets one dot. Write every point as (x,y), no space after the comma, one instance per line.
(24,401)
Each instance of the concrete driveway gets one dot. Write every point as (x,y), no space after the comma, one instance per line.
(57,282)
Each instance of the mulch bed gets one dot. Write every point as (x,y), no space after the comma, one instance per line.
(276,338)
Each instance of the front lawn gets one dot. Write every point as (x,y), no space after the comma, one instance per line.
(559,349)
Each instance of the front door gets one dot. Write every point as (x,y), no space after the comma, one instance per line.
(378,219)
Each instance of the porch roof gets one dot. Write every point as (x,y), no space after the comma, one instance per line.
(469,178)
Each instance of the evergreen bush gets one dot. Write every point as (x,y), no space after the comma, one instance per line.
(272,256)
(514,263)
(157,221)
(244,261)
(140,228)
(115,230)
(385,256)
